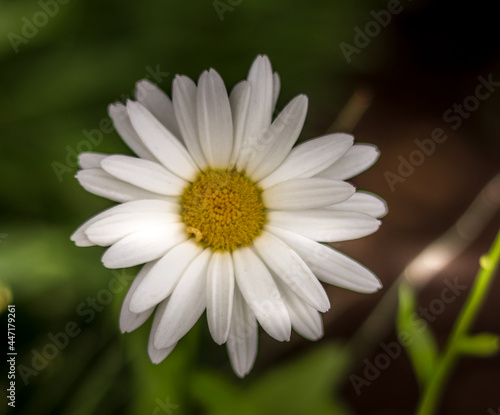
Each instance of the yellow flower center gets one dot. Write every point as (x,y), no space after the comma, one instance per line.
(223,210)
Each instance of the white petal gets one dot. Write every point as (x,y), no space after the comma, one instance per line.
(362,202)
(215,124)
(325,225)
(240,101)
(129,321)
(161,142)
(328,264)
(220,292)
(260,77)
(158,355)
(187,303)
(164,276)
(121,121)
(276,88)
(272,148)
(145,174)
(144,245)
(301,194)
(305,319)
(101,183)
(260,292)
(309,158)
(260,108)
(243,335)
(292,270)
(109,230)
(80,238)
(359,158)
(91,160)
(158,104)
(184,97)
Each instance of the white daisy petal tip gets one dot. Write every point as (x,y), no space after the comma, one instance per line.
(306,321)
(259,290)
(376,285)
(243,370)
(129,323)
(356,160)
(310,158)
(276,88)
(114,108)
(363,202)
(379,207)
(91,160)
(241,373)
(203,75)
(371,154)
(348,138)
(159,355)
(132,104)
(142,86)
(383,208)
(80,239)
(215,125)
(261,59)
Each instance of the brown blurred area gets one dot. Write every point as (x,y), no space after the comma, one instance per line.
(439,52)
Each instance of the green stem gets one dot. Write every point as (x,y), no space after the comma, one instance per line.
(479,290)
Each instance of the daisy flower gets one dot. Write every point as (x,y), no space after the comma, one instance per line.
(225,215)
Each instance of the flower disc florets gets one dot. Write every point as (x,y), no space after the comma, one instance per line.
(223,210)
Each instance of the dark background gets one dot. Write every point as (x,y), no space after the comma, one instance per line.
(63,62)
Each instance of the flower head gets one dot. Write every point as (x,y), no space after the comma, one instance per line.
(225,215)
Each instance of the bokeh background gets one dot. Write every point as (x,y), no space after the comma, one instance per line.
(62,62)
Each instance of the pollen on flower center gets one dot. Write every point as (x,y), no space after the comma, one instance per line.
(223,210)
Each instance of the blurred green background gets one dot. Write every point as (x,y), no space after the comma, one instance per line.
(63,62)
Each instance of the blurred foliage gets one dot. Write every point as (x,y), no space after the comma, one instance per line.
(415,335)
(311,379)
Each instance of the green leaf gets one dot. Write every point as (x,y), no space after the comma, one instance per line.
(220,395)
(162,387)
(483,345)
(415,336)
(304,386)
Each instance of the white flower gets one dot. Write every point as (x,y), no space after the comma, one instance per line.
(225,215)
